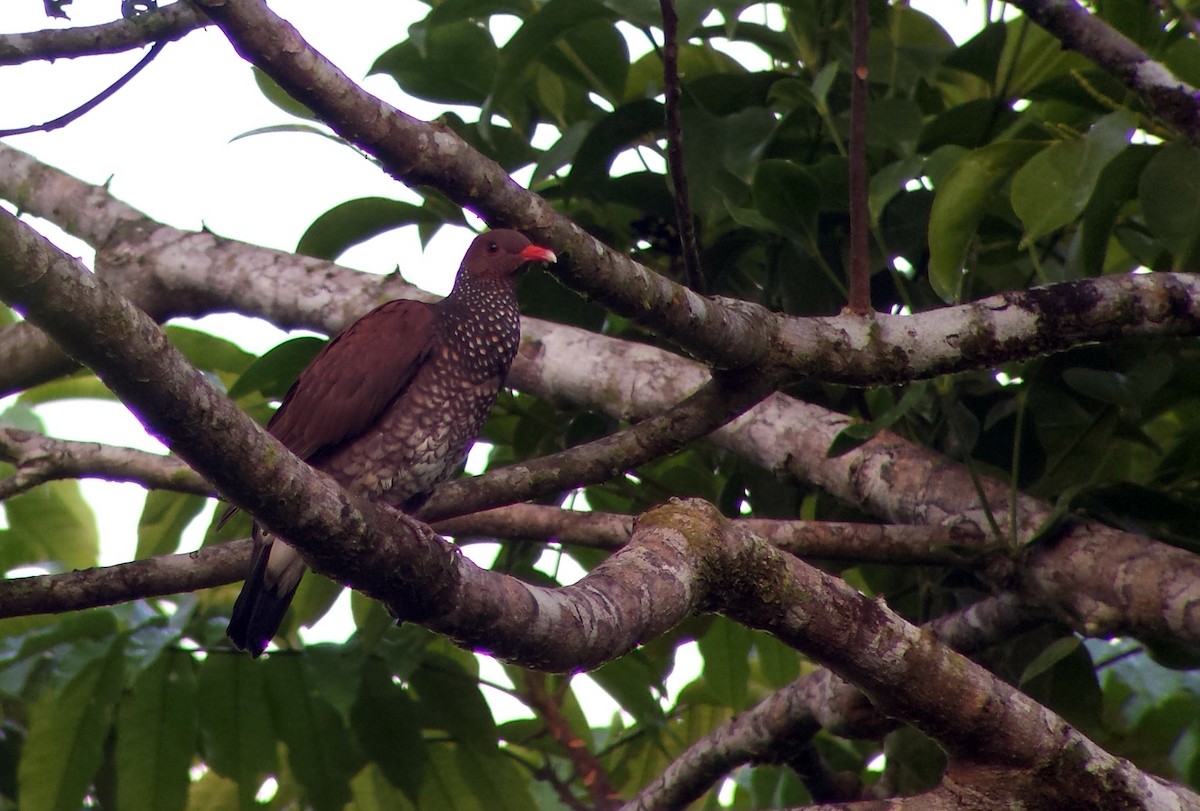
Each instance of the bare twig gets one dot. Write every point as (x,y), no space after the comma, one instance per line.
(40,458)
(95,101)
(157,25)
(158,576)
(860,224)
(679,182)
(827,540)
(722,399)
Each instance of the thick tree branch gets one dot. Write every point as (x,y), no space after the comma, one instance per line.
(170,272)
(1171,99)
(157,25)
(980,720)
(201,273)
(678,563)
(827,540)
(772,730)
(730,334)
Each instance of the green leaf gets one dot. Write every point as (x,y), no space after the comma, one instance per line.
(1115,187)
(76,386)
(629,680)
(51,522)
(67,729)
(726,651)
(320,754)
(1105,385)
(961,200)
(157,727)
(540,30)
(787,194)
(279,97)
(859,433)
(355,221)
(778,663)
(371,791)
(236,727)
(1054,186)
(451,699)
(165,516)
(612,134)
(452,63)
(209,351)
(385,720)
(1170,195)
(273,373)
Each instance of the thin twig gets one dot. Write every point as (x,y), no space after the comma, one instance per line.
(683,207)
(95,101)
(860,223)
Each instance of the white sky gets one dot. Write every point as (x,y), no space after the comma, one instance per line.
(164,143)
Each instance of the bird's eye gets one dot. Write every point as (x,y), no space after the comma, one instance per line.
(492,247)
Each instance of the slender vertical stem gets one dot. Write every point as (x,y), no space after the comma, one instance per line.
(683,208)
(860,268)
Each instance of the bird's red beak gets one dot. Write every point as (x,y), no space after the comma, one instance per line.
(536,253)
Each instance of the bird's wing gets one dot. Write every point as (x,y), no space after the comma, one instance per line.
(352,380)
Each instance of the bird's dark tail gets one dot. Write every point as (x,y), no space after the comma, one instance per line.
(265,596)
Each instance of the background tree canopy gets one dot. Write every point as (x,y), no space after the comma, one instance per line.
(833,508)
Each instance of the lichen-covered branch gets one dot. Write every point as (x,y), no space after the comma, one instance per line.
(38,458)
(198,273)
(157,25)
(772,730)
(159,576)
(1168,97)
(730,335)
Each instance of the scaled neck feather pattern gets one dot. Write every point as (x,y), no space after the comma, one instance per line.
(481,325)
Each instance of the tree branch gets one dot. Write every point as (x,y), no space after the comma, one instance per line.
(40,459)
(159,576)
(826,540)
(157,25)
(200,273)
(676,565)
(730,334)
(772,730)
(679,182)
(714,404)
(1171,99)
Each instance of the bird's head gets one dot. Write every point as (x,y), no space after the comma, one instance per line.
(502,254)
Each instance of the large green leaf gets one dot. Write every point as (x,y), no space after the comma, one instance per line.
(165,516)
(386,723)
(451,700)
(1054,186)
(67,729)
(51,522)
(157,727)
(354,221)
(236,726)
(726,651)
(788,195)
(320,752)
(539,31)
(1169,191)
(454,63)
(961,200)
(273,373)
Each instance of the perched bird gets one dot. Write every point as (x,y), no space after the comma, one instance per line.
(390,407)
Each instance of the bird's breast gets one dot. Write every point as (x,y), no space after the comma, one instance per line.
(423,436)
